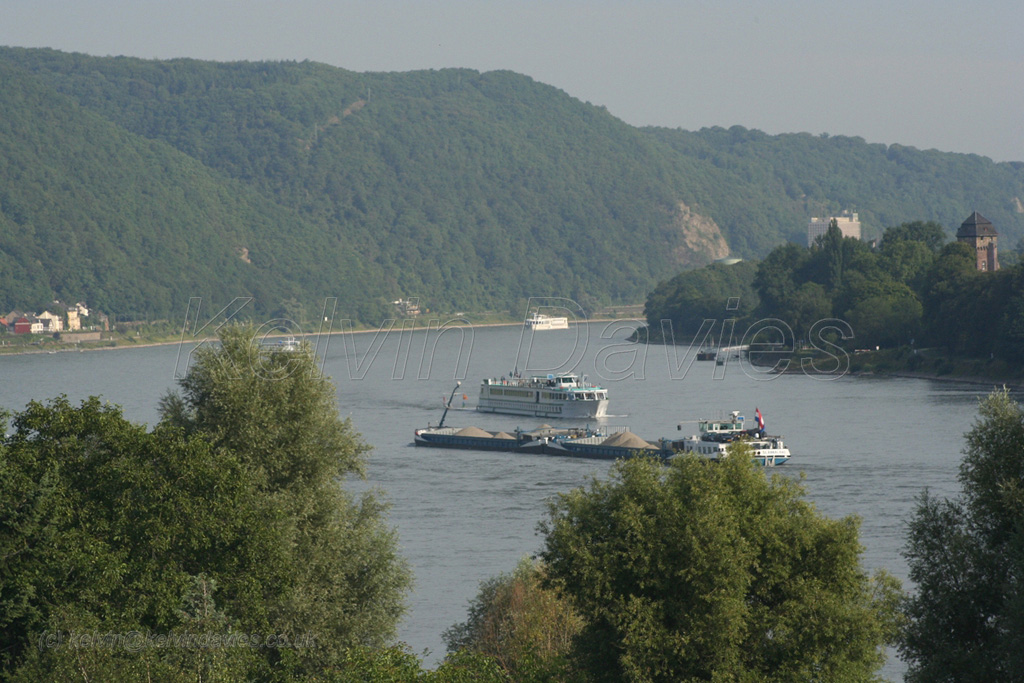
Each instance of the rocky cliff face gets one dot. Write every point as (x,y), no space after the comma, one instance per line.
(702,238)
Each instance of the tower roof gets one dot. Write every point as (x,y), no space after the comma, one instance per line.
(976,225)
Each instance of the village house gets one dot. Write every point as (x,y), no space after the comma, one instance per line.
(409,307)
(46,322)
(11,317)
(52,322)
(28,325)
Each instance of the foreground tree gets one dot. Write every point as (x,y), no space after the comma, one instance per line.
(336,572)
(527,628)
(712,571)
(398,665)
(108,528)
(228,519)
(966,621)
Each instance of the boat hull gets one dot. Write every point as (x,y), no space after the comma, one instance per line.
(573,410)
(473,443)
(760,452)
(584,447)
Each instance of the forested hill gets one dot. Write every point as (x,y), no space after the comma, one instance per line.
(762,189)
(468,190)
(135,184)
(90,212)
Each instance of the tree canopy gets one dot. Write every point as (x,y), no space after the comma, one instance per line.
(966,556)
(700,571)
(913,289)
(229,518)
(683,304)
(524,626)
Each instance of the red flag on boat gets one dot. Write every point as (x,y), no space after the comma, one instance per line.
(760,418)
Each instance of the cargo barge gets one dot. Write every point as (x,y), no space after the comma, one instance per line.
(574,441)
(585,442)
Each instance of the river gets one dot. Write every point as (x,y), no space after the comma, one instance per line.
(865,446)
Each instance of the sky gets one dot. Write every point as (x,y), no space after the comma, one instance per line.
(932,74)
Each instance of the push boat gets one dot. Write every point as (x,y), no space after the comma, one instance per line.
(563,396)
(715,436)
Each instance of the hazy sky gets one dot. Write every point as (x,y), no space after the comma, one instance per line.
(930,74)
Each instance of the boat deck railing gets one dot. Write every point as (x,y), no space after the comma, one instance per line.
(542,383)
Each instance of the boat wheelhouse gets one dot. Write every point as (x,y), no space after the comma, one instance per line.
(565,395)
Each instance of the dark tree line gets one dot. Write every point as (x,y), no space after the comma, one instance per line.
(914,289)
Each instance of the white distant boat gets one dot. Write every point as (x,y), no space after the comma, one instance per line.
(564,395)
(539,322)
(288,345)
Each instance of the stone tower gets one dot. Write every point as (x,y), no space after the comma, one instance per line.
(978,232)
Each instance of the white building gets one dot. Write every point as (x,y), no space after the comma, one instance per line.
(409,307)
(849,225)
(51,322)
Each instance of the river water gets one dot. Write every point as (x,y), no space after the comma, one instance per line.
(865,446)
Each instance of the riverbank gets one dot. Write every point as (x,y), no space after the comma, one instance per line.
(933,364)
(115,340)
(993,383)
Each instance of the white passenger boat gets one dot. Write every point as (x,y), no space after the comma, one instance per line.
(715,436)
(565,395)
(538,322)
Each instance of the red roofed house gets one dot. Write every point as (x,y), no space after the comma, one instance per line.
(25,326)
